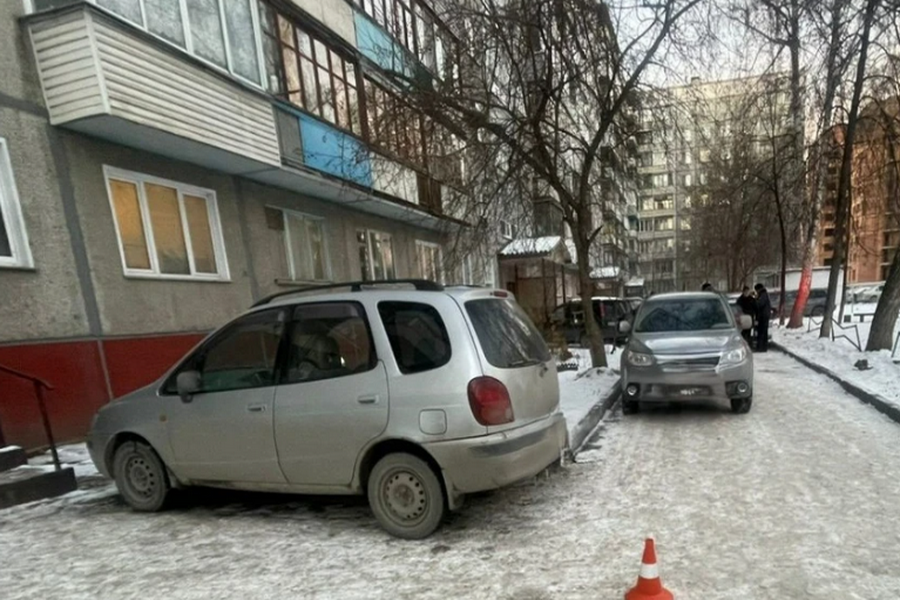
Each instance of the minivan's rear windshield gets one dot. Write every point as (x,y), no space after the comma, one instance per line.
(695,314)
(507,336)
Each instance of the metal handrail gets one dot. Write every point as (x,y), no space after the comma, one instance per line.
(39,386)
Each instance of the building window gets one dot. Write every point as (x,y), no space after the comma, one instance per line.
(507,230)
(393,125)
(412,24)
(14,248)
(221,32)
(687,180)
(686,157)
(430,261)
(166,230)
(305,247)
(376,255)
(308,73)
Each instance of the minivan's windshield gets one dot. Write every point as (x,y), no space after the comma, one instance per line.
(692,314)
(507,336)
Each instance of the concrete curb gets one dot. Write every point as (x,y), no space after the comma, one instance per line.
(879,403)
(589,422)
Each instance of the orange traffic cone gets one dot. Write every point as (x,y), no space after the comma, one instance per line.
(649,587)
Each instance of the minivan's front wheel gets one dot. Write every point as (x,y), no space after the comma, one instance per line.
(140,476)
(406,496)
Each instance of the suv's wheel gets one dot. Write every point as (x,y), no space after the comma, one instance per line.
(406,496)
(630,407)
(140,476)
(741,406)
(817,311)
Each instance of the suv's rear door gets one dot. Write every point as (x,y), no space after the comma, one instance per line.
(512,351)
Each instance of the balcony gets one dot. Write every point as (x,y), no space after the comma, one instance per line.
(105,78)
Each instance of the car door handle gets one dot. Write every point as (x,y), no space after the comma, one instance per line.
(368,399)
(258,408)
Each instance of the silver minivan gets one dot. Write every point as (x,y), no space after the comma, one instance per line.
(414,397)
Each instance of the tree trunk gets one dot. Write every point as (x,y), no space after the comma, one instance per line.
(591,327)
(820,166)
(881,336)
(842,208)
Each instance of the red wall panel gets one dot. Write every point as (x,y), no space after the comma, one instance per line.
(136,362)
(72,368)
(75,370)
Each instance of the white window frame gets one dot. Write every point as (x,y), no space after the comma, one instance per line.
(188,42)
(215,227)
(11,210)
(292,268)
(506,229)
(422,244)
(370,253)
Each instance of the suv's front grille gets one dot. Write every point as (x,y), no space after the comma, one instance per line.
(687,362)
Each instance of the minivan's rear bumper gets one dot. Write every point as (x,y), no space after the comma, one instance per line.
(492,461)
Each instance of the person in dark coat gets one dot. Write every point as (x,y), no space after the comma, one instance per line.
(763,314)
(707,287)
(747,303)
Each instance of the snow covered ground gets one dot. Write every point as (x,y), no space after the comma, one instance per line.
(581,389)
(795,500)
(840,356)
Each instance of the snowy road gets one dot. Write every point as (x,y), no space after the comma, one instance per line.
(798,499)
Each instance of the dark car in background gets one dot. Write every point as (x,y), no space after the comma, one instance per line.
(568,319)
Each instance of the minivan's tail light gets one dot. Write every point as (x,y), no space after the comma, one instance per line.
(489,400)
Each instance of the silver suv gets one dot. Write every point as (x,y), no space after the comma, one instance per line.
(413,397)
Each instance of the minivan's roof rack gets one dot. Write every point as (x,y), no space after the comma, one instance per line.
(423,285)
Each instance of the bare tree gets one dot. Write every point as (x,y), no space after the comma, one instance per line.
(843,196)
(544,89)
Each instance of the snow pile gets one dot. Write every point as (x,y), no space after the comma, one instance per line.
(528,246)
(581,390)
(840,357)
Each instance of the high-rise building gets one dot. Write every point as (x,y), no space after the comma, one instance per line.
(873,234)
(687,132)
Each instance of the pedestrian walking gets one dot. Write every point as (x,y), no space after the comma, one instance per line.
(763,314)
(707,287)
(747,303)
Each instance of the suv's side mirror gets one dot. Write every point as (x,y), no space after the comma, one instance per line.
(746,322)
(624,326)
(188,384)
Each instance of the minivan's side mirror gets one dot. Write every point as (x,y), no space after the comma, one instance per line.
(188,384)
(746,322)
(624,326)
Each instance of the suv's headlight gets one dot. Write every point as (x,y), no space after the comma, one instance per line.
(733,357)
(638,359)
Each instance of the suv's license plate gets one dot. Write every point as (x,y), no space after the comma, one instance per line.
(691,391)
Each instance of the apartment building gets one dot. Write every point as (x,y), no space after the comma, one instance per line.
(874,228)
(165,163)
(684,131)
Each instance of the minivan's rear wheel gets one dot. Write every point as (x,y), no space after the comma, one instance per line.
(406,496)
(140,476)
(741,406)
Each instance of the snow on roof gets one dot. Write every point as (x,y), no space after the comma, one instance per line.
(529,246)
(606,273)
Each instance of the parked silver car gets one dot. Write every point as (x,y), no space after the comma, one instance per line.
(687,347)
(412,397)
